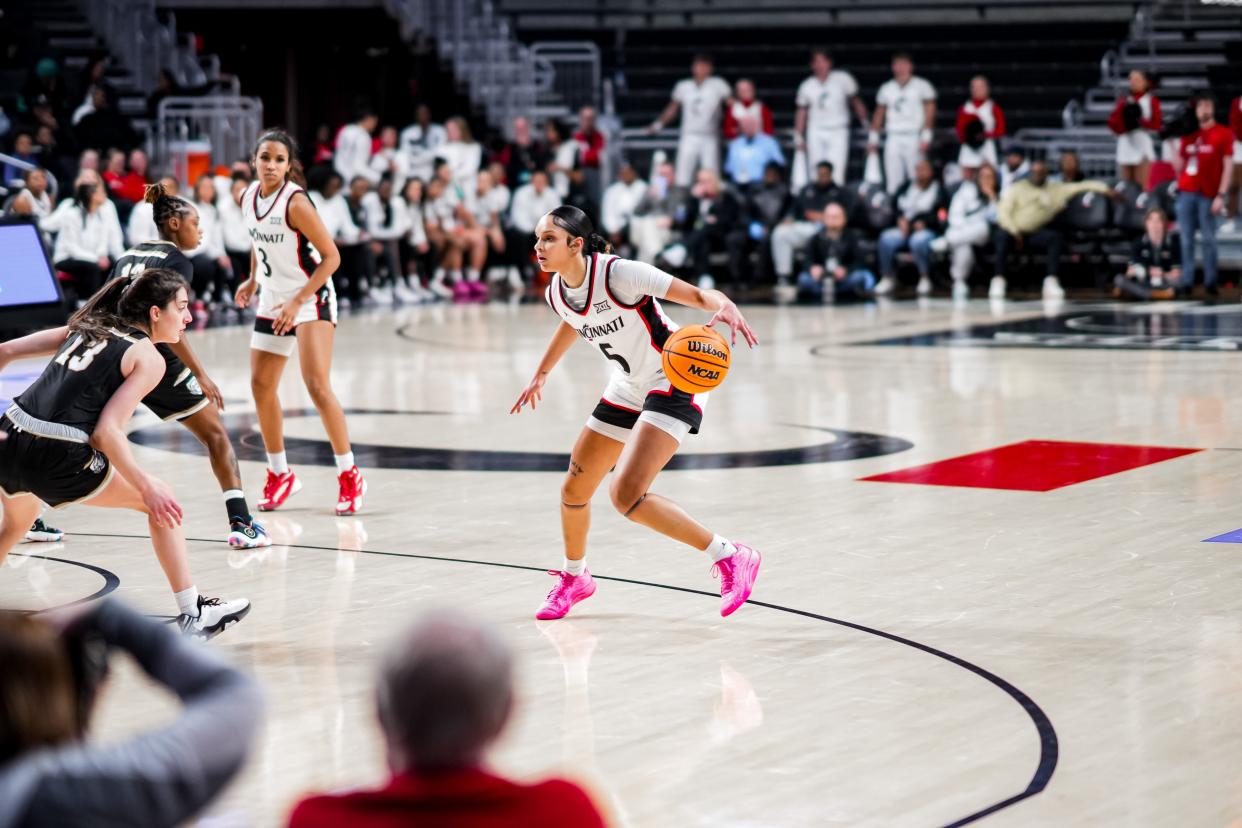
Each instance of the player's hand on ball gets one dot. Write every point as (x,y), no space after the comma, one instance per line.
(245,292)
(532,394)
(161,503)
(731,316)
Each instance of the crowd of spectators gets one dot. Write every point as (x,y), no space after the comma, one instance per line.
(443,695)
(429,212)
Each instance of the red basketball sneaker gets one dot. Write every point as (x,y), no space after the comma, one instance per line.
(353,487)
(277,490)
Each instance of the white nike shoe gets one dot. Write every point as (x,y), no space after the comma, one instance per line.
(214,616)
(924,287)
(885,286)
(996,290)
(404,295)
(1052,288)
(243,535)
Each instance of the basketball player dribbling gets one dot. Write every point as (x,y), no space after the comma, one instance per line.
(613,304)
(185,394)
(64,436)
(291,267)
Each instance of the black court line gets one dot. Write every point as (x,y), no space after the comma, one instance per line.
(847,445)
(1049,747)
(111,581)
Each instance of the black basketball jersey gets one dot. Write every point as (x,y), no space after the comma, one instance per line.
(76,385)
(151,254)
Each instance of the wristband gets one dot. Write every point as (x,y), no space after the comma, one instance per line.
(873,138)
(925,136)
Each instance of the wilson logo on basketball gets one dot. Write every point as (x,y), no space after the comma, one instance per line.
(696,347)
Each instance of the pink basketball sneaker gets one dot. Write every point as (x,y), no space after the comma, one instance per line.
(737,577)
(569,590)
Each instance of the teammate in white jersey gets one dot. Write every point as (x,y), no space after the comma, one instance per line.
(291,267)
(822,122)
(905,109)
(614,305)
(701,99)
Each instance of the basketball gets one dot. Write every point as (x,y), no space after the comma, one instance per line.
(696,359)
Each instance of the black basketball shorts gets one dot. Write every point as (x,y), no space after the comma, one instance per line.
(178,395)
(55,471)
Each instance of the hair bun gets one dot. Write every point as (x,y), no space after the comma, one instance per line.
(153,193)
(598,244)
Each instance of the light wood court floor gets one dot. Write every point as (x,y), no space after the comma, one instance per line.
(916,654)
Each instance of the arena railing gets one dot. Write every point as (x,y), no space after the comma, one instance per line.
(567,76)
(219,127)
(144,45)
(487,58)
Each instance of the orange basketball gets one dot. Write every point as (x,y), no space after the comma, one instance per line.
(696,359)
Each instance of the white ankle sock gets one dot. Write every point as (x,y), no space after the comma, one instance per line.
(720,548)
(575,567)
(344,462)
(187,601)
(472,275)
(277,462)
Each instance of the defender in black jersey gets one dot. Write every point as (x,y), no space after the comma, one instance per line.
(184,393)
(64,436)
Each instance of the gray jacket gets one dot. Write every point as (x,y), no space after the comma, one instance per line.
(158,778)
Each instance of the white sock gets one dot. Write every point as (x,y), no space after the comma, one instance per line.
(720,548)
(472,275)
(454,276)
(278,462)
(344,462)
(229,494)
(575,567)
(187,601)
(437,278)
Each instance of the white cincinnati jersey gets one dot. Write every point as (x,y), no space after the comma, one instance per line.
(903,105)
(701,108)
(284,259)
(621,316)
(827,102)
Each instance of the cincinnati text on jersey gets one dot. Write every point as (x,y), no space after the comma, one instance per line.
(266,238)
(590,332)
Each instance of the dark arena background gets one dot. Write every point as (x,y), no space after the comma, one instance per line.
(987,444)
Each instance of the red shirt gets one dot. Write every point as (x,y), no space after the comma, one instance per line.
(592,146)
(1235,118)
(984,111)
(132,187)
(458,799)
(1203,160)
(1117,120)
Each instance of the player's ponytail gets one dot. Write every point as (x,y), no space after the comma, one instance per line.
(579,226)
(164,206)
(126,302)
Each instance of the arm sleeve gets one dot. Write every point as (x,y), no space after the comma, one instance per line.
(998,115)
(630,281)
(802,97)
(1156,119)
(1235,119)
(56,221)
(767,119)
(962,120)
(1115,121)
(165,776)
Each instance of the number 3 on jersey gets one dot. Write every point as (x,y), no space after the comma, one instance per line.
(267,268)
(83,360)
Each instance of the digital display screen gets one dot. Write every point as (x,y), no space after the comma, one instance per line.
(25,276)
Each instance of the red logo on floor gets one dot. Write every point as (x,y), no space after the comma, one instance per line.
(1033,465)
